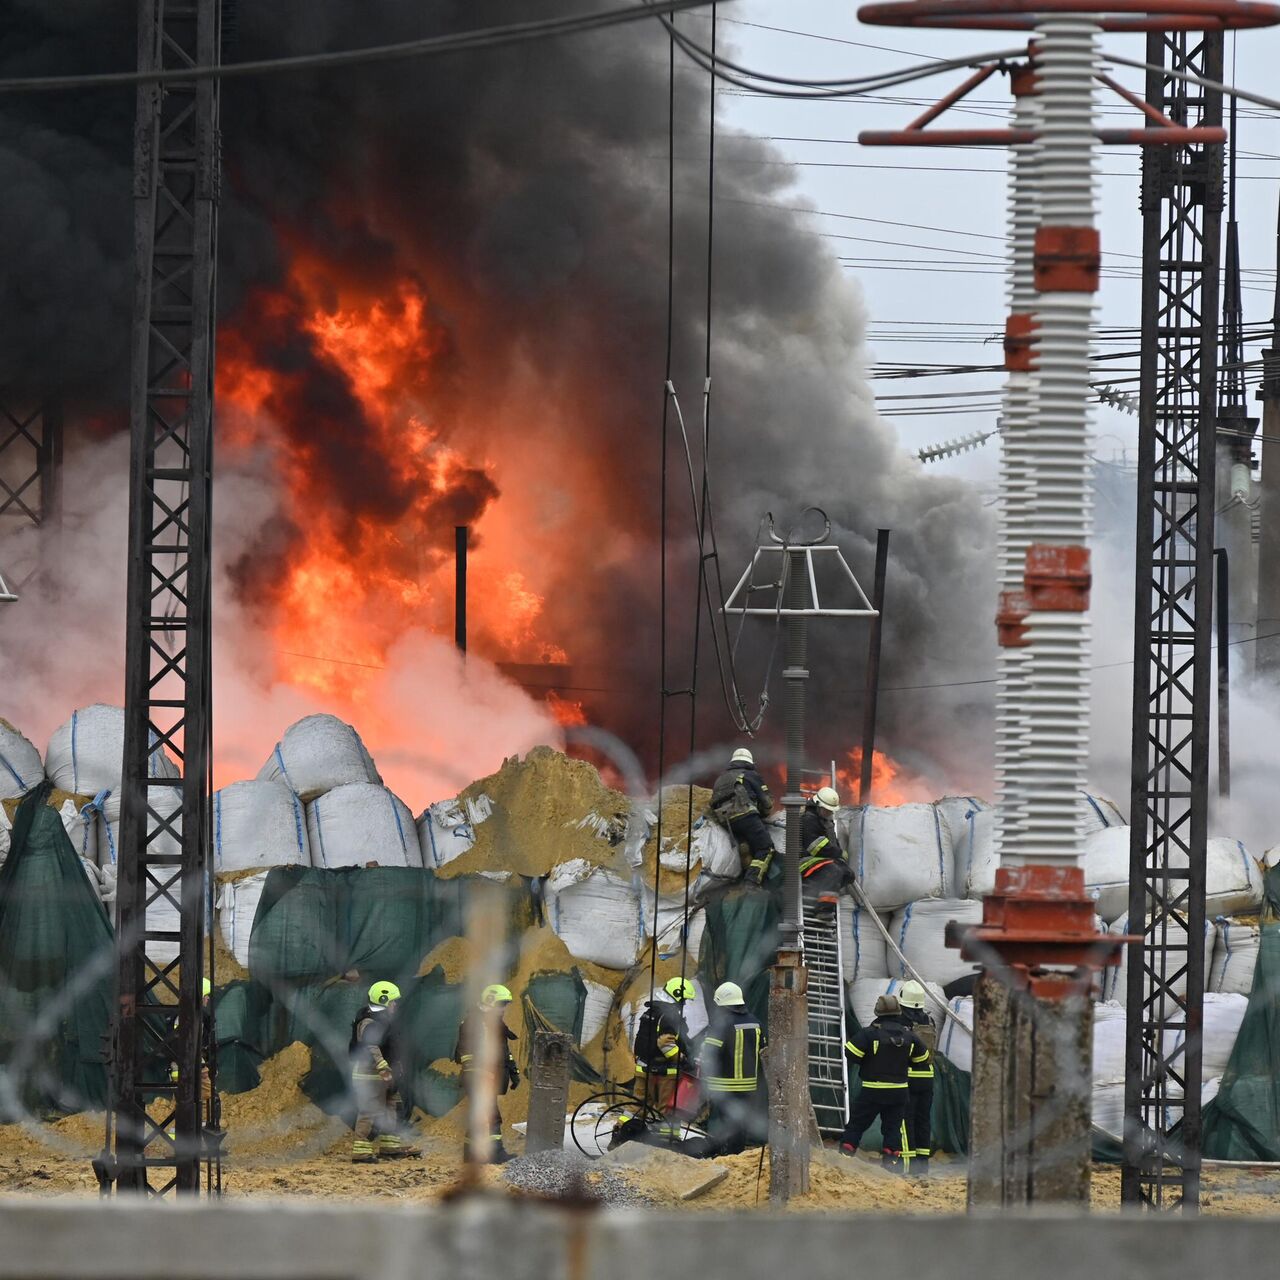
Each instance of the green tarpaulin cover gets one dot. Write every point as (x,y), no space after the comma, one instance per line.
(57,967)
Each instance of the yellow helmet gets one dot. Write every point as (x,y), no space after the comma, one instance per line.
(383,993)
(494,995)
(680,989)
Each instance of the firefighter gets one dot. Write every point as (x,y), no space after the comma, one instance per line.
(883,1054)
(488,1016)
(731,1075)
(919,1078)
(662,1045)
(740,801)
(373,1081)
(824,865)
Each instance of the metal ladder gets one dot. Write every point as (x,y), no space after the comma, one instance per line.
(828,1070)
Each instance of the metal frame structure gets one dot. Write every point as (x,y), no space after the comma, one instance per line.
(1172,686)
(30,470)
(159,1123)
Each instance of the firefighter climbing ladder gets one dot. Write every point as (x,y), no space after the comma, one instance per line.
(828,1074)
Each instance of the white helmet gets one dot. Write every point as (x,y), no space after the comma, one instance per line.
(912,995)
(742,756)
(828,798)
(729,995)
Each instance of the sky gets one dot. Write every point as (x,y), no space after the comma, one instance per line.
(956,305)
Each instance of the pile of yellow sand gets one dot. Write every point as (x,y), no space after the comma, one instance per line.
(56,800)
(544,808)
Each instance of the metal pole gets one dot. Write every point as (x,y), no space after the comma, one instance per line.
(1223,583)
(788,995)
(460,534)
(871,698)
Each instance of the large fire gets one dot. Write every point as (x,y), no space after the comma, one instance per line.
(890,784)
(342,386)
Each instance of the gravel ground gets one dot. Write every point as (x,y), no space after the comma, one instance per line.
(568,1175)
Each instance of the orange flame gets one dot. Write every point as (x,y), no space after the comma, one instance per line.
(889,785)
(372,555)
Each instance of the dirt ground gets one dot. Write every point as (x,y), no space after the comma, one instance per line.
(302,1152)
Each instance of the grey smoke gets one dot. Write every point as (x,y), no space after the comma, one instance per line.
(526,188)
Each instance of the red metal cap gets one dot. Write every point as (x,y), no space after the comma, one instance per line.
(1037,916)
(1019,341)
(1068,259)
(1112,15)
(1011,620)
(1057,579)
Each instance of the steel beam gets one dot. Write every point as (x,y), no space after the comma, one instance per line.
(158,1118)
(1172,686)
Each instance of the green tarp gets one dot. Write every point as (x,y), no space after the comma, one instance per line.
(1243,1121)
(314,924)
(739,944)
(57,965)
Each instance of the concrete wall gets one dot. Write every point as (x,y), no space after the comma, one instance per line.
(496,1239)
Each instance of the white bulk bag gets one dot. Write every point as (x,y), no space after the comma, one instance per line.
(595,1010)
(258,824)
(1232,878)
(1235,956)
(865,955)
(595,913)
(716,849)
(1108,1043)
(86,755)
(1116,980)
(163,801)
(360,823)
(919,930)
(981,859)
(237,905)
(1108,1108)
(317,754)
(958,816)
(163,915)
(1097,813)
(671,925)
(955,1039)
(5,827)
(20,764)
(447,829)
(901,854)
(1106,871)
(1223,1015)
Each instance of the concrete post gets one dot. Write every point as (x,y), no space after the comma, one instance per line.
(548,1090)
(788,1079)
(1029,1133)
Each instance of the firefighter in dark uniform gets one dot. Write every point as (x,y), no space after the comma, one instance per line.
(373,1082)
(662,1045)
(883,1054)
(824,865)
(919,1078)
(740,801)
(494,1001)
(731,1075)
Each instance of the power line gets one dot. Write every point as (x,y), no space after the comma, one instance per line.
(455,42)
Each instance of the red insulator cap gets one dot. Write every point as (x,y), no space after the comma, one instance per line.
(1057,579)
(1068,259)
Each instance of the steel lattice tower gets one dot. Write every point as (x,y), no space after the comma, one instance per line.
(1181,208)
(164,844)
(30,470)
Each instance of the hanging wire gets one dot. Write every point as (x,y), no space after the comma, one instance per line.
(663,692)
(703,513)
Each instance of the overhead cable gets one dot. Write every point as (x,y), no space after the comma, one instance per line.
(453,42)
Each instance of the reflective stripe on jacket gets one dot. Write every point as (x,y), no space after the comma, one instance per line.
(731,1052)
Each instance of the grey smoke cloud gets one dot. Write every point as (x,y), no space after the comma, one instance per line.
(526,189)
